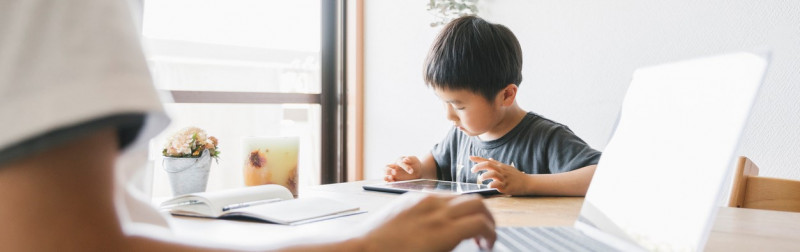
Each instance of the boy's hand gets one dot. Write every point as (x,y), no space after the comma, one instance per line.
(507,179)
(406,168)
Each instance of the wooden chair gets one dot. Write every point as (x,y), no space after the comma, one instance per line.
(751,191)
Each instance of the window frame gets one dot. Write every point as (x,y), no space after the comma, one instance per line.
(332,96)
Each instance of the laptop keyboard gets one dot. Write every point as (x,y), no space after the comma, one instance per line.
(546,239)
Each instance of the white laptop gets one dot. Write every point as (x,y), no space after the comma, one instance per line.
(659,181)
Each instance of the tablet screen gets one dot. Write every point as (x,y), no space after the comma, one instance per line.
(434,186)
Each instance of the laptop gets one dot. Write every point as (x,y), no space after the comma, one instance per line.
(660,180)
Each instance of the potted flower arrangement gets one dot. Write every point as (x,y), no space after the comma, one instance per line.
(187,159)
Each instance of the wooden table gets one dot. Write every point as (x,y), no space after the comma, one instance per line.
(734,230)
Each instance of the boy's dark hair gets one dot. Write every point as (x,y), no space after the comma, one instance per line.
(475,55)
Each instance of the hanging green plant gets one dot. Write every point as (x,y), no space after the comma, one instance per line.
(445,11)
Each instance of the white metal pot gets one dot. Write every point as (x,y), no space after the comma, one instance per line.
(188,175)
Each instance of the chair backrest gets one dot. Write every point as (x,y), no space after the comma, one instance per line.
(751,191)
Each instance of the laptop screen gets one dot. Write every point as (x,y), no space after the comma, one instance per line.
(660,177)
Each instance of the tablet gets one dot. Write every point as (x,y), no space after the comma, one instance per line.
(432,186)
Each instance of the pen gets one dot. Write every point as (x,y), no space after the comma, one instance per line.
(190,202)
(247,204)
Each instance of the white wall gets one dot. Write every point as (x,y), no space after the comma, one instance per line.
(578,59)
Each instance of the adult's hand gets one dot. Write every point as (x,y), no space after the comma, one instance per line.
(435,223)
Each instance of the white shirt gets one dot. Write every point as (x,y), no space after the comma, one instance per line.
(63,63)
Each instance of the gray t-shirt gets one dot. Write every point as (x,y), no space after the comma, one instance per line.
(536,145)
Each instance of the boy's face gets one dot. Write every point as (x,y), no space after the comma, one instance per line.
(470,112)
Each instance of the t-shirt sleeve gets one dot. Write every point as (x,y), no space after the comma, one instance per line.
(567,152)
(127,126)
(444,153)
(64,64)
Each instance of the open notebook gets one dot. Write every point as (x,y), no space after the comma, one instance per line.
(659,181)
(269,203)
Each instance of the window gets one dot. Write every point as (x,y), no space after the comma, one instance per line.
(240,68)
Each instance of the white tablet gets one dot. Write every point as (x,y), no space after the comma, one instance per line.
(432,186)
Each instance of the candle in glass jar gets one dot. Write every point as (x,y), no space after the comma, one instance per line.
(271,160)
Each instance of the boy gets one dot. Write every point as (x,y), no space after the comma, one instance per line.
(475,67)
